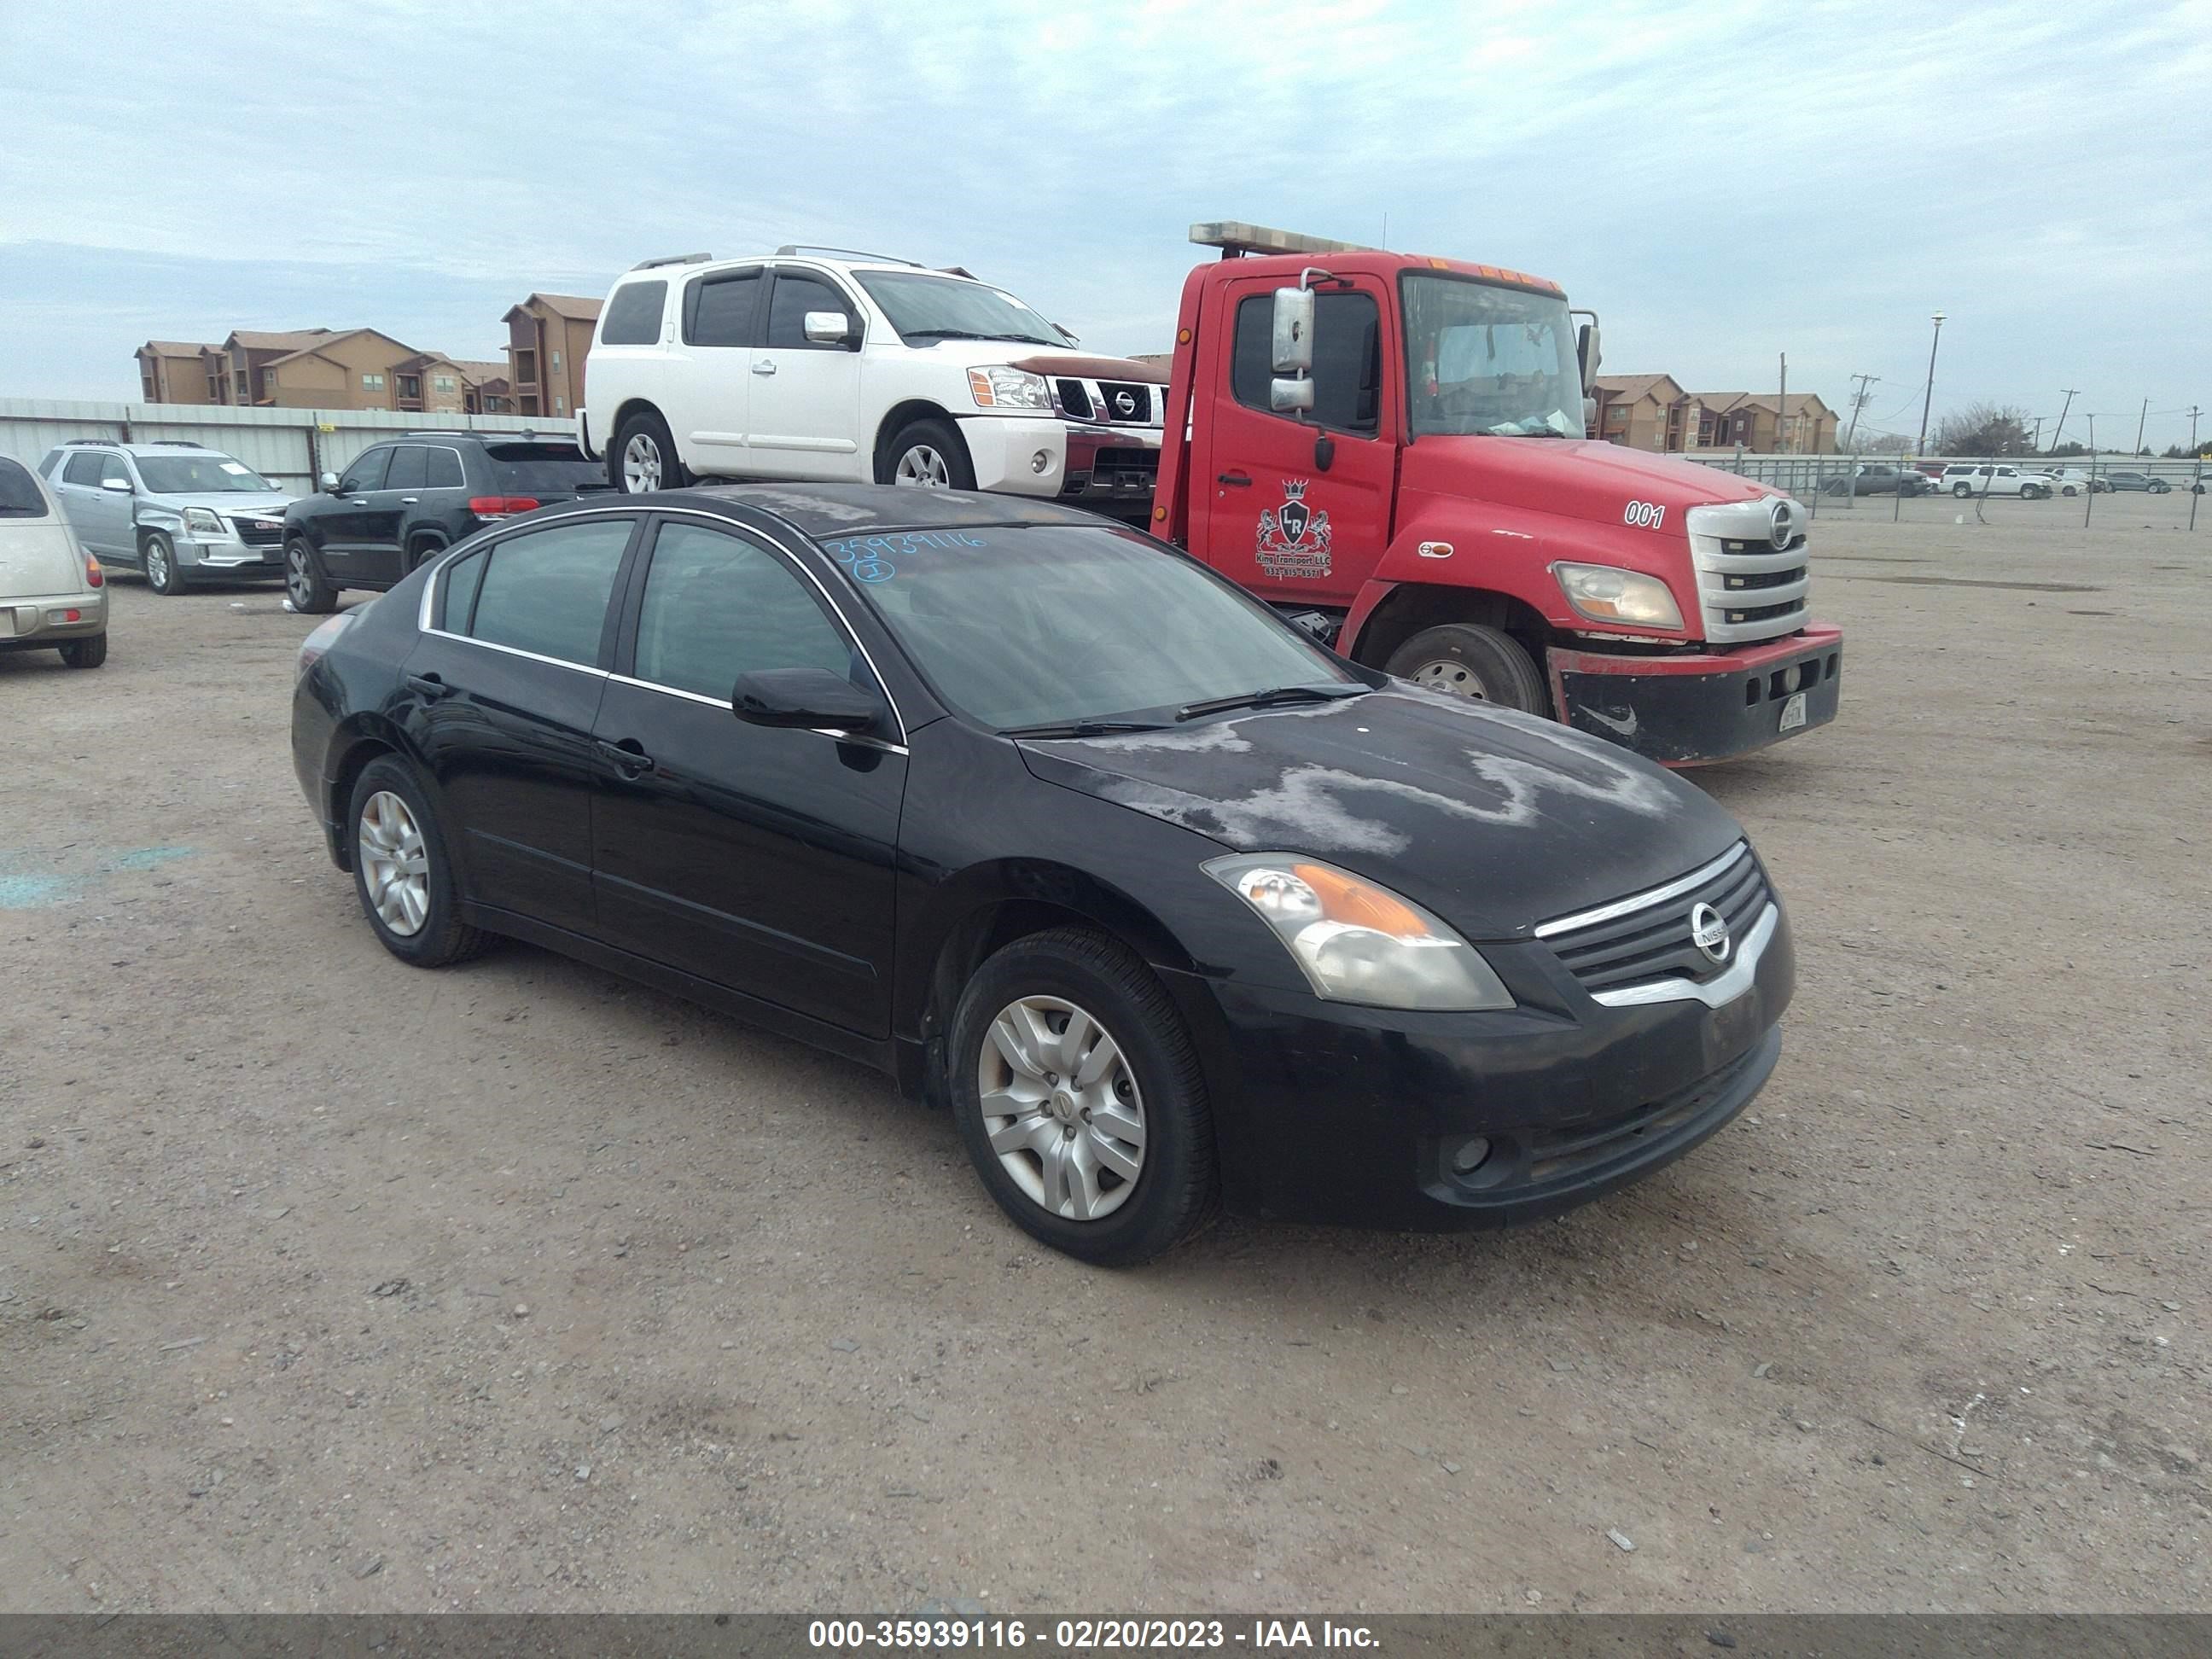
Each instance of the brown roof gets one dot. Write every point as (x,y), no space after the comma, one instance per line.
(573,306)
(1633,387)
(177,348)
(479,373)
(281,340)
(324,336)
(1720,402)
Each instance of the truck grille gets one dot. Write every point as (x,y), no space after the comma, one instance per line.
(258,533)
(1117,403)
(1733,548)
(1647,937)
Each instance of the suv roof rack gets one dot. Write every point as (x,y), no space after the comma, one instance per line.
(672,259)
(103,443)
(176,443)
(849,253)
(1235,238)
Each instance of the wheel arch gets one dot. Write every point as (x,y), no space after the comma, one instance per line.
(1410,607)
(368,737)
(904,414)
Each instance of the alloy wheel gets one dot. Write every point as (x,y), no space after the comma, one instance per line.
(641,466)
(299,580)
(395,864)
(1450,674)
(157,566)
(922,468)
(1061,1108)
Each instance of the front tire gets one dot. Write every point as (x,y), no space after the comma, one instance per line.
(1962,490)
(1469,659)
(157,557)
(401,872)
(1080,1099)
(927,454)
(305,585)
(85,653)
(643,458)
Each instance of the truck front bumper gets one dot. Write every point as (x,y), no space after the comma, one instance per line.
(1710,706)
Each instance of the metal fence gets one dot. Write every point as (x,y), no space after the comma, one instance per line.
(1818,480)
(291,447)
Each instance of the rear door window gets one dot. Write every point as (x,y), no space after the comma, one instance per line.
(521,469)
(442,471)
(83,468)
(634,314)
(546,591)
(408,467)
(718,311)
(19,492)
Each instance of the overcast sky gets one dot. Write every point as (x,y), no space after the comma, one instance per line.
(1722,182)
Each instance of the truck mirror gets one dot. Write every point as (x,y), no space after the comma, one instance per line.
(1590,416)
(1586,352)
(1294,325)
(1290,397)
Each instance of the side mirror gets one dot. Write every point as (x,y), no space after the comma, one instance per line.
(330,484)
(811,698)
(121,486)
(1590,416)
(827,328)
(1290,397)
(1586,349)
(1294,326)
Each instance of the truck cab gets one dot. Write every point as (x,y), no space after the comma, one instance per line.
(1392,449)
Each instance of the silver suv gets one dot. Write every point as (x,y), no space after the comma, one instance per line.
(174,510)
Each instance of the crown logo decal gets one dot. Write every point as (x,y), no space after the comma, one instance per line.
(1294,489)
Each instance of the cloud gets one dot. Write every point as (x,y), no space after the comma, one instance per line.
(1724,183)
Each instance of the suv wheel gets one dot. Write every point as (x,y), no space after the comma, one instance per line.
(305,585)
(643,458)
(157,556)
(927,454)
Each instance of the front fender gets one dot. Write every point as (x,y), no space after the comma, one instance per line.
(166,520)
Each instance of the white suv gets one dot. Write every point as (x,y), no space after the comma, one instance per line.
(819,364)
(1987,479)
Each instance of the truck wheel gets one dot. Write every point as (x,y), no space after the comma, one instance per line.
(927,454)
(643,456)
(1471,661)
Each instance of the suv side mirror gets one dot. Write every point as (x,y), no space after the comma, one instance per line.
(121,486)
(330,484)
(811,698)
(827,328)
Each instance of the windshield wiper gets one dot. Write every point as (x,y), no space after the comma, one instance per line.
(1272,698)
(1082,728)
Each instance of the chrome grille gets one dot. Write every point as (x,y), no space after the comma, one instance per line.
(1646,938)
(1112,403)
(1748,587)
(258,533)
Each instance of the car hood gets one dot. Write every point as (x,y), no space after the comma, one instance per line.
(1494,820)
(271,505)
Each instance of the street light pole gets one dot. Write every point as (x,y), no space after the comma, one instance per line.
(1928,398)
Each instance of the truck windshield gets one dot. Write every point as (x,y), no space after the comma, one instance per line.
(1496,362)
(1021,626)
(923,308)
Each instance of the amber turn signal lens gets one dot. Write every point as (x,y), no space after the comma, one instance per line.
(1356,904)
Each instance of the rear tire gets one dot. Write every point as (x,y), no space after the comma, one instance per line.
(643,458)
(85,653)
(305,585)
(1962,490)
(1469,659)
(1134,1142)
(157,557)
(401,871)
(422,551)
(927,454)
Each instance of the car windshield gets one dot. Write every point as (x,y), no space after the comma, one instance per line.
(200,475)
(19,493)
(1490,361)
(923,307)
(1060,624)
(543,466)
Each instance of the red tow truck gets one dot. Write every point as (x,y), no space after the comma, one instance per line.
(1392,451)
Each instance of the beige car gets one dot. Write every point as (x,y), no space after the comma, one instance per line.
(53,595)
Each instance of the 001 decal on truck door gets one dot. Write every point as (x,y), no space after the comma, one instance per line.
(1647,515)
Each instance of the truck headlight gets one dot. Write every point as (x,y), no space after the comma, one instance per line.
(1009,388)
(1356,942)
(200,521)
(1605,594)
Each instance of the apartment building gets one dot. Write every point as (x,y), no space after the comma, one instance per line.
(315,369)
(548,338)
(1653,411)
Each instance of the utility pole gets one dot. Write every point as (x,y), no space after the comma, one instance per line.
(1859,402)
(1928,397)
(2035,443)
(2140,418)
(2196,484)
(2071,392)
(2089,495)
(1782,410)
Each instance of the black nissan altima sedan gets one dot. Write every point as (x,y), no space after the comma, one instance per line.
(1172,908)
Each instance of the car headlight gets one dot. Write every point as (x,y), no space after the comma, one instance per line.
(1356,942)
(1605,594)
(201,521)
(1009,388)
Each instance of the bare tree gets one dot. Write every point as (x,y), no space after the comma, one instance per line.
(1983,429)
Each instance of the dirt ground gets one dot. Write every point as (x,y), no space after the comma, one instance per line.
(327,1283)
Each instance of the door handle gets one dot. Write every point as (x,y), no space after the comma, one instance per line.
(409,501)
(629,755)
(1240,479)
(429,685)
(763,368)
(357,501)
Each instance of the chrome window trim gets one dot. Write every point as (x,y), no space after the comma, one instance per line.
(462,550)
(1722,988)
(1645,900)
(723,704)
(517,651)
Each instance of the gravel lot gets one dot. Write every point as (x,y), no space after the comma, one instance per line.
(327,1283)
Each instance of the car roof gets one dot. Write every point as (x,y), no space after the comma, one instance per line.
(832,510)
(146,449)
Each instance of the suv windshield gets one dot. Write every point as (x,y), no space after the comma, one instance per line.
(200,475)
(1499,362)
(1060,624)
(543,466)
(923,307)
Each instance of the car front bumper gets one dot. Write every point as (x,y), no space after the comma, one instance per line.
(230,555)
(41,622)
(1005,450)
(1704,705)
(1333,1113)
